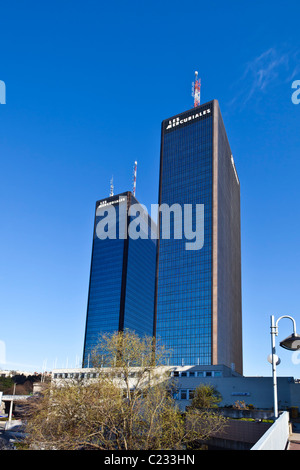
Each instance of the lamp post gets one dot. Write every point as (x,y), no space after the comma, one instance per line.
(292,343)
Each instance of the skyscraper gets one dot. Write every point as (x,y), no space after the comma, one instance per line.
(198,312)
(121,287)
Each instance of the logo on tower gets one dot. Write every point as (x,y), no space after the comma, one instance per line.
(177,121)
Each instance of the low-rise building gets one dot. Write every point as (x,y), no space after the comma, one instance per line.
(233,387)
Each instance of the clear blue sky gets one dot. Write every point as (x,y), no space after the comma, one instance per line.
(88,84)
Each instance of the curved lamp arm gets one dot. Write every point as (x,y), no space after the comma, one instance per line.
(285,316)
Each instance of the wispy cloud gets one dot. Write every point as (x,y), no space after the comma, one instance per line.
(270,68)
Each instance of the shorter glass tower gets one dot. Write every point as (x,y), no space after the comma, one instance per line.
(122,275)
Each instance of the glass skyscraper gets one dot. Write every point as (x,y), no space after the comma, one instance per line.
(121,287)
(198,292)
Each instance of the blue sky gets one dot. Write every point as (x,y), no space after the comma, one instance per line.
(87,86)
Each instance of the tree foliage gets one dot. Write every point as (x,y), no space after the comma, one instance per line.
(206,396)
(6,385)
(128,405)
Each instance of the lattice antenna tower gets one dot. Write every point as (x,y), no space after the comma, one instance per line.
(134,178)
(196,90)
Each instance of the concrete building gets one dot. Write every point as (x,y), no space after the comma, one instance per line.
(233,387)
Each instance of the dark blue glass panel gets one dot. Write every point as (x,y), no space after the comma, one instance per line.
(139,304)
(105,289)
(121,292)
(184,282)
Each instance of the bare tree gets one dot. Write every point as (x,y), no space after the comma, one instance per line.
(128,405)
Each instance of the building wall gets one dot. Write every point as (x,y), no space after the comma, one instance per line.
(227,297)
(184,277)
(122,278)
(238,435)
(256,391)
(104,296)
(198,306)
(140,280)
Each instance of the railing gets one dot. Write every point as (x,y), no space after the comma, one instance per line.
(276,438)
(14,397)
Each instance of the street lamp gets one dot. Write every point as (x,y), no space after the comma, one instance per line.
(292,343)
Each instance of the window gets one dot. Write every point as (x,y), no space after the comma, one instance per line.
(183,394)
(192,374)
(184,284)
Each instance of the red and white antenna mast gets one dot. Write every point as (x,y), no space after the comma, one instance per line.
(134,178)
(196,90)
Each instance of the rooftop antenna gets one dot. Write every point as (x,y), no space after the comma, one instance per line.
(196,89)
(134,178)
(111,186)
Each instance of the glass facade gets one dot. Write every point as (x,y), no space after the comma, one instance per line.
(140,281)
(184,286)
(122,279)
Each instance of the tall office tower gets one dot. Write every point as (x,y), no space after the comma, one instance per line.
(198,312)
(122,275)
